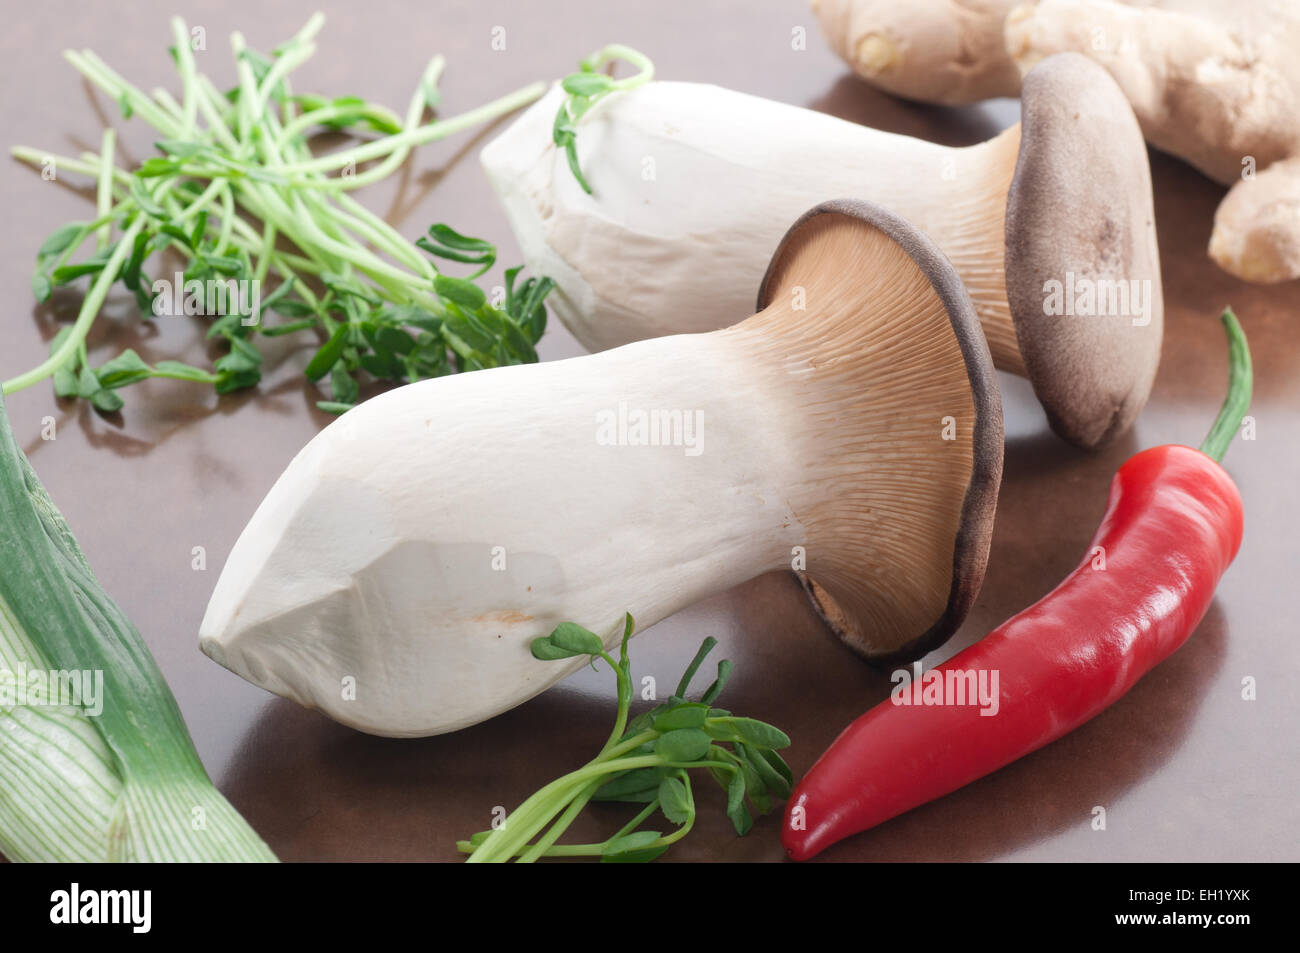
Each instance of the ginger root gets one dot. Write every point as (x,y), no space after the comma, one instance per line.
(1217,84)
(934,51)
(1214,82)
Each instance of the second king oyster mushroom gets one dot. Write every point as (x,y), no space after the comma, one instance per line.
(415,547)
(1050,224)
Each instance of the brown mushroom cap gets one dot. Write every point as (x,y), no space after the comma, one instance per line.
(1080,219)
(907,552)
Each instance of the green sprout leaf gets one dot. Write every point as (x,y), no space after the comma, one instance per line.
(674,801)
(588,84)
(688,715)
(641,785)
(106,400)
(62,239)
(545,650)
(126,368)
(705,648)
(634,848)
(736,811)
(764,763)
(183,372)
(344,386)
(65,382)
(444,241)
(574,638)
(463,292)
(757,733)
(683,744)
(324,359)
(333,407)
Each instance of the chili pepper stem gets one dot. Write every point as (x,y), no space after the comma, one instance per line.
(1240,376)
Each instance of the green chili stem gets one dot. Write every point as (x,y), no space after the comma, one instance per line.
(1240,378)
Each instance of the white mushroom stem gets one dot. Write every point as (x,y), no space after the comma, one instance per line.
(397,571)
(693,185)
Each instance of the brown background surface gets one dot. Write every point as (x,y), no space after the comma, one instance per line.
(1184,767)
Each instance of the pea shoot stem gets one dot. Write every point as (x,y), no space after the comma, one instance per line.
(104,188)
(645,69)
(547,848)
(561,824)
(413,137)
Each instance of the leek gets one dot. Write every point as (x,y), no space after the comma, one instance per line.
(123,784)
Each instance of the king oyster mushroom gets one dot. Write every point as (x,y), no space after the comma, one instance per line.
(1047,221)
(396,573)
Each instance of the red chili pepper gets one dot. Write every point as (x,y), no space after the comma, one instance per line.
(1172,525)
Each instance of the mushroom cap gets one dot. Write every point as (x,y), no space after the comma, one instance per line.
(1082,264)
(926,493)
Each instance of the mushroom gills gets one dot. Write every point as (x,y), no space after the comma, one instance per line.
(396,573)
(931,456)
